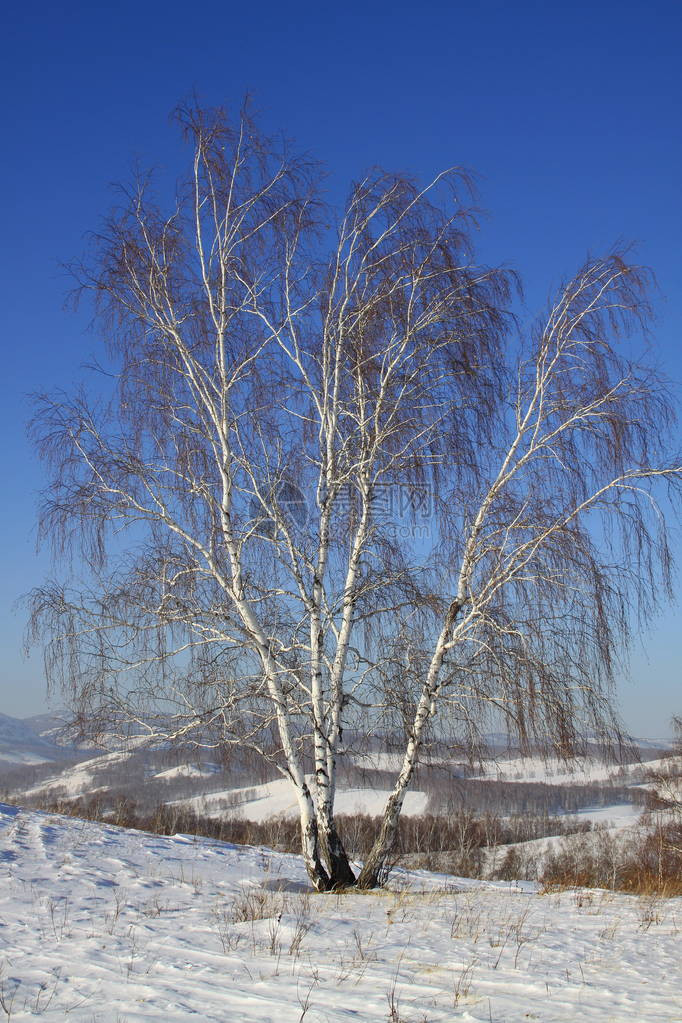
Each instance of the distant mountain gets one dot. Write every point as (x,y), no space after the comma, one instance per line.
(43,724)
(653,744)
(22,743)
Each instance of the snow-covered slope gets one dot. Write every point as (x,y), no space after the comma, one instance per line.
(102,925)
(206,769)
(277,799)
(81,779)
(581,771)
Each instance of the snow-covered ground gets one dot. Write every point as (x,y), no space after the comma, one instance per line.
(617,815)
(80,779)
(206,769)
(581,771)
(277,799)
(104,925)
(25,758)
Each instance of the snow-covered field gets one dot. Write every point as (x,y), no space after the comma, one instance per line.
(277,799)
(80,779)
(581,771)
(204,770)
(104,925)
(617,815)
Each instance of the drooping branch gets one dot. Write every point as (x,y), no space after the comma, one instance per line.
(242,514)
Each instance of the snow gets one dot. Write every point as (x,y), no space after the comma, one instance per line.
(373,802)
(537,850)
(205,770)
(75,781)
(388,761)
(24,757)
(378,761)
(550,770)
(102,925)
(617,815)
(277,799)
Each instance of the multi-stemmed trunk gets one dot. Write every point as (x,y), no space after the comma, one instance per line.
(232,346)
(376,862)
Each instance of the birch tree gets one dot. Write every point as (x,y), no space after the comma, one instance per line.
(278,372)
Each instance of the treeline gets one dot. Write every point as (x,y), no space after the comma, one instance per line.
(501,798)
(458,832)
(645,861)
(19,777)
(135,779)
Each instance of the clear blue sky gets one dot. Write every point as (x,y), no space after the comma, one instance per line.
(569,113)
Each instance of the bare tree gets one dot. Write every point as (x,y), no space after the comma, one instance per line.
(236,578)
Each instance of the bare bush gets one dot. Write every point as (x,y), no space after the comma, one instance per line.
(641,863)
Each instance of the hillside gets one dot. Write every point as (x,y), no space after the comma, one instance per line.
(41,769)
(22,742)
(106,925)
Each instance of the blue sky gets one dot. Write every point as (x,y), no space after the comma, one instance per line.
(568,113)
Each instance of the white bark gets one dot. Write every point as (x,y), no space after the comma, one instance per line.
(245,366)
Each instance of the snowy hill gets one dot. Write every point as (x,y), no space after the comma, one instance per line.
(277,798)
(21,743)
(102,925)
(39,768)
